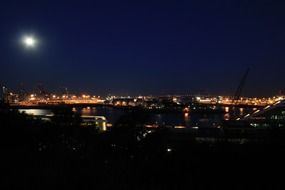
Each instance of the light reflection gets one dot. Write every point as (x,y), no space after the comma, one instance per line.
(36,112)
(227,116)
(241,111)
(227,109)
(179,127)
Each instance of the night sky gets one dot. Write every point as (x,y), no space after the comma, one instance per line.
(144,47)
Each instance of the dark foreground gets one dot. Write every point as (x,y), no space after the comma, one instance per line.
(36,155)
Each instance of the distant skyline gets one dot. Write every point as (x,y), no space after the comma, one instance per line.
(144,47)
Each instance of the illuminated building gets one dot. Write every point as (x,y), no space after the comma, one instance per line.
(100,122)
(273,116)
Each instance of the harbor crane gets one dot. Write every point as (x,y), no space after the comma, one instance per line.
(240,87)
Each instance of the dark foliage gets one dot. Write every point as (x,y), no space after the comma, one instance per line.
(62,154)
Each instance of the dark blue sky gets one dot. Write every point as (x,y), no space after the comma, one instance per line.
(145,47)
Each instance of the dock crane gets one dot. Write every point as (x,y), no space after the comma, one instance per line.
(238,92)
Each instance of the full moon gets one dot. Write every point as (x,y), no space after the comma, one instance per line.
(29,41)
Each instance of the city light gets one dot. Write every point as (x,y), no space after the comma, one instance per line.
(169,150)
